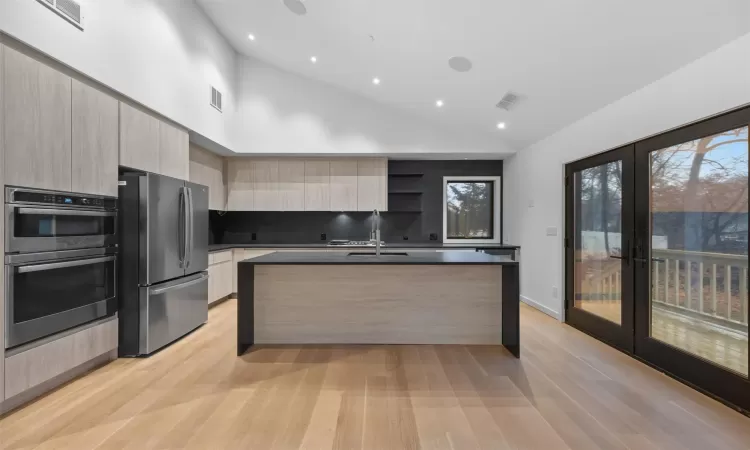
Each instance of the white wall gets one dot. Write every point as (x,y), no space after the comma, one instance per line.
(279,112)
(162,53)
(717,82)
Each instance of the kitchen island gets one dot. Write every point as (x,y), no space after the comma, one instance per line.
(395,298)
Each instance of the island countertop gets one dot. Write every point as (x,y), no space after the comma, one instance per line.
(345,258)
(319,297)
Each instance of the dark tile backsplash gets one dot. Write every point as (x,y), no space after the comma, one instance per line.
(238,227)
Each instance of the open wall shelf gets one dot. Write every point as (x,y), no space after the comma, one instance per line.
(405,175)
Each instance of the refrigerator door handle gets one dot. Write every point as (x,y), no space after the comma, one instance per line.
(189,234)
(160,290)
(183,227)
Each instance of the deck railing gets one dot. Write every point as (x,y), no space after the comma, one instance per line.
(707,286)
(711,285)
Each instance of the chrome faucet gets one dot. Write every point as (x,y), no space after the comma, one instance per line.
(375,231)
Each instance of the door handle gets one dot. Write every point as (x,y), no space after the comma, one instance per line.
(189,224)
(181,229)
(61,265)
(65,212)
(189,283)
(624,255)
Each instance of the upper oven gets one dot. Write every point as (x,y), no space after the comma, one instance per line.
(41,221)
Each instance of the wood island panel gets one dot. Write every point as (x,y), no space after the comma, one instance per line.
(387,304)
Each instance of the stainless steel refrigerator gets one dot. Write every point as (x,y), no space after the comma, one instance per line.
(163,291)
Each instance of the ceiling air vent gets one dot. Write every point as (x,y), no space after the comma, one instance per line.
(508,101)
(215,98)
(67,9)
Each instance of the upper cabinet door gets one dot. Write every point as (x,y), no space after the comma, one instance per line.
(208,169)
(95,140)
(139,139)
(37,116)
(240,185)
(372,190)
(292,184)
(343,185)
(266,185)
(317,186)
(174,152)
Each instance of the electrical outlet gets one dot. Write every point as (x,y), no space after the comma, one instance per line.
(554,292)
(406,238)
(433,236)
(253,236)
(323,236)
(551,231)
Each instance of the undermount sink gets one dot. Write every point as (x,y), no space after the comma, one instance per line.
(381,254)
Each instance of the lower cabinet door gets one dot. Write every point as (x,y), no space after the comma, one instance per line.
(33,367)
(220,281)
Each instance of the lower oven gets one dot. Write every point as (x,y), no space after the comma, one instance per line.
(50,292)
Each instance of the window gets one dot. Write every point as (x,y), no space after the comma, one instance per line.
(471,209)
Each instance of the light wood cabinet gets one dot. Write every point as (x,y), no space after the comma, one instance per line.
(317,185)
(174,149)
(292,184)
(37,122)
(139,139)
(33,367)
(208,169)
(372,188)
(219,275)
(240,185)
(95,134)
(265,175)
(288,184)
(343,182)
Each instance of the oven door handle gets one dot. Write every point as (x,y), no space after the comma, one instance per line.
(65,212)
(60,265)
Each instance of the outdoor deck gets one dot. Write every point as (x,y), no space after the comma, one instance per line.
(721,345)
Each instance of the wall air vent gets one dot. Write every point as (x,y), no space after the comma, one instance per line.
(508,101)
(215,98)
(67,9)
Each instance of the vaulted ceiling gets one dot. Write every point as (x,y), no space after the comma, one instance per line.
(565,59)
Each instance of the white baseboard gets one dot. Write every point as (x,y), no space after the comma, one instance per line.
(546,310)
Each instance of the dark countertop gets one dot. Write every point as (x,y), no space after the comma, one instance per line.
(341,258)
(436,245)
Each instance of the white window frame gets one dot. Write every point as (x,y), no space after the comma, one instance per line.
(496,204)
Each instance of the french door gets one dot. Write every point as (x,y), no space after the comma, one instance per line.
(599,229)
(657,252)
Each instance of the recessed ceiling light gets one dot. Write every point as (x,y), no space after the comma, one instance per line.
(376,80)
(501,126)
(439,103)
(313,59)
(251,37)
(296,6)
(460,63)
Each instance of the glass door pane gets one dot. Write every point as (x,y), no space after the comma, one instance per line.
(597,271)
(698,214)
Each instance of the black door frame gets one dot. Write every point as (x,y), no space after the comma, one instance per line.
(720,382)
(620,336)
(634,335)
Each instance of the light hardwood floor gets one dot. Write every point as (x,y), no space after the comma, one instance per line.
(568,391)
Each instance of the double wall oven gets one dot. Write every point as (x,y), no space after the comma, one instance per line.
(60,262)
